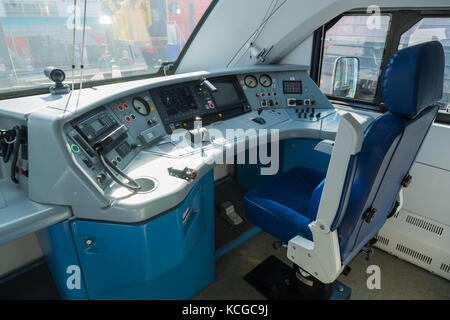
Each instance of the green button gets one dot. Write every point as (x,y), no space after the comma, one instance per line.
(75,148)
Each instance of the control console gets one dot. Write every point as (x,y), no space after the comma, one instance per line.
(293,91)
(108,138)
(113,131)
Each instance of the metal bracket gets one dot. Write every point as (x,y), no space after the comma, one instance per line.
(187,174)
(369,214)
(406,181)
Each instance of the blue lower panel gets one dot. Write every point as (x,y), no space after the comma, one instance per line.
(166,258)
(59,249)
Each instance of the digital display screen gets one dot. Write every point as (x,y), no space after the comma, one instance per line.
(226,94)
(178,100)
(97,125)
(292,87)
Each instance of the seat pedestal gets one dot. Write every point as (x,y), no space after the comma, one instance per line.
(277,281)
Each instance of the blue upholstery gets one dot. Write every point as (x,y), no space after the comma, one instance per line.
(389,148)
(411,79)
(282,207)
(412,83)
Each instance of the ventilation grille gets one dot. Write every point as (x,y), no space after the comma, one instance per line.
(434,228)
(445,267)
(383,240)
(414,254)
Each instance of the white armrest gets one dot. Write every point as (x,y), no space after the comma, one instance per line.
(325,146)
(400,201)
(321,257)
(348,142)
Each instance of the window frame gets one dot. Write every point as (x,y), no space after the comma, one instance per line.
(401,21)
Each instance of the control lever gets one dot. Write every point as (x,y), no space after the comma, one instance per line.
(259,119)
(105,145)
(208,85)
(199,134)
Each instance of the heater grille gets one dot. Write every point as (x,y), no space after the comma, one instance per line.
(383,240)
(445,267)
(414,254)
(431,227)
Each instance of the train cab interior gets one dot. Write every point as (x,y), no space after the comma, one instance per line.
(224,150)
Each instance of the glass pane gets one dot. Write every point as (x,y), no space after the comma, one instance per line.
(361,37)
(123,38)
(429,29)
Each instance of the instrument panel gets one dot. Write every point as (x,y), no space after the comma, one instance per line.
(293,91)
(180,104)
(120,128)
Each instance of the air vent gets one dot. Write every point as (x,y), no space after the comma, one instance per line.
(383,240)
(445,267)
(414,254)
(424,225)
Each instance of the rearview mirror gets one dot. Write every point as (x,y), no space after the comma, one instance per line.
(345,77)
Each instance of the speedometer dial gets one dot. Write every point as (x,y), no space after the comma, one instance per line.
(141,106)
(251,81)
(265,80)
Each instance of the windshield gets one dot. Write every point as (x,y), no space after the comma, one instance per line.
(122,38)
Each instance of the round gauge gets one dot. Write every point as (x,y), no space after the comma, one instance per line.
(251,81)
(141,106)
(265,80)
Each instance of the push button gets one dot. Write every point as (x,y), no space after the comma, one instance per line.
(87,162)
(75,148)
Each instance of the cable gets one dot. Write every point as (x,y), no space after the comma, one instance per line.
(107,164)
(82,44)
(73,42)
(15,155)
(270,9)
(82,54)
(256,33)
(9,149)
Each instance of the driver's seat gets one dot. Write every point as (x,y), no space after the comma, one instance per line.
(328,220)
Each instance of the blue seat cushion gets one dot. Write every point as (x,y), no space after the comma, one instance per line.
(285,206)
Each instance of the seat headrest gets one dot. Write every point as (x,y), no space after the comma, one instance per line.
(413,79)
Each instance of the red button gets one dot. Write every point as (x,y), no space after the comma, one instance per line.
(127,119)
(125,106)
(120,108)
(263,94)
(211,106)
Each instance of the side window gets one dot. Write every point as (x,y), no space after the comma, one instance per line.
(353,50)
(429,29)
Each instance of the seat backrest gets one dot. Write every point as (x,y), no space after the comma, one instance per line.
(412,83)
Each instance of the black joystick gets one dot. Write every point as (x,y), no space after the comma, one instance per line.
(259,119)
(260,110)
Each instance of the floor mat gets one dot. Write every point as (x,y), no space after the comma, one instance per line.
(272,278)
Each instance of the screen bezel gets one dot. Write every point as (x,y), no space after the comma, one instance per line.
(240,93)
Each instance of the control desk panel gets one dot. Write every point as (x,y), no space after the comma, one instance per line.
(115,132)
(295,92)
(180,104)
